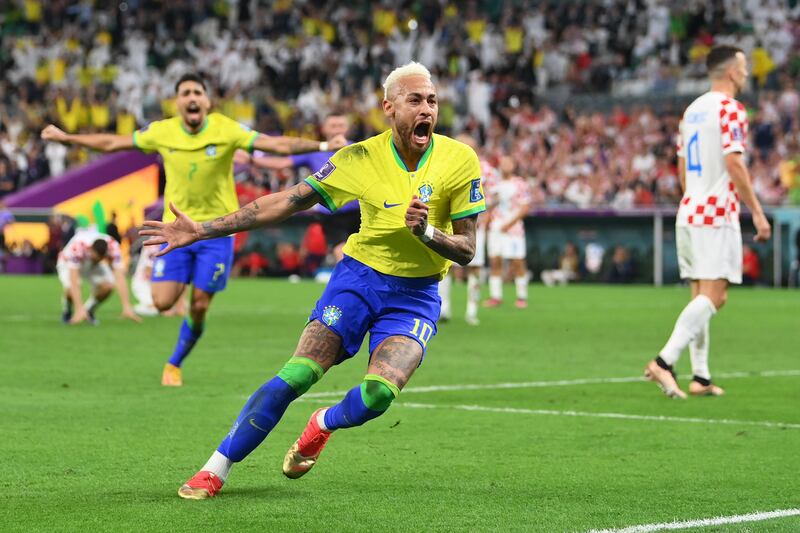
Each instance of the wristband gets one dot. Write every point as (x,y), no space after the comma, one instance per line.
(428,235)
(323,146)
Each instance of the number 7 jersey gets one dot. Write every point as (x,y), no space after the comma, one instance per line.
(713,126)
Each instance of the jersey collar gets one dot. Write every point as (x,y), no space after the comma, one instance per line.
(201,130)
(399,159)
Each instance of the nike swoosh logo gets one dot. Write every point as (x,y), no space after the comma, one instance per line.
(252,423)
(388,205)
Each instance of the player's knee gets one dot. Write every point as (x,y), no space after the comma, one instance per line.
(103,290)
(200,306)
(300,373)
(378,394)
(163,302)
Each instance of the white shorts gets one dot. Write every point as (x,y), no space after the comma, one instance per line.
(480,248)
(709,253)
(142,291)
(506,246)
(96,275)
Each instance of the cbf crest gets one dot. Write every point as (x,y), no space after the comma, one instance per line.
(211,150)
(331,315)
(425,192)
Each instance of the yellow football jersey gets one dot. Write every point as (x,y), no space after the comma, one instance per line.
(199,167)
(447,179)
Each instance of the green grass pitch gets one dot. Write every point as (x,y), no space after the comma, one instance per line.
(92,442)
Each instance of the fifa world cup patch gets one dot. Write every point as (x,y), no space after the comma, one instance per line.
(331,315)
(325,171)
(211,150)
(475,193)
(736,134)
(425,192)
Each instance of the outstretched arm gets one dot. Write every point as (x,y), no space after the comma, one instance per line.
(102,142)
(262,211)
(281,144)
(268,163)
(459,247)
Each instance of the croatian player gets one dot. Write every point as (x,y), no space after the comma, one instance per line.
(714,177)
(198,150)
(141,286)
(510,198)
(96,258)
(419,195)
(489,176)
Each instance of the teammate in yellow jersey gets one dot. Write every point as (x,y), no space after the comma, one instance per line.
(198,150)
(420,194)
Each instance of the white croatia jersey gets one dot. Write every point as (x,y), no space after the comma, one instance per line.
(147,257)
(713,126)
(76,251)
(507,197)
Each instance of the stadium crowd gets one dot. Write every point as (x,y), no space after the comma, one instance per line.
(282,66)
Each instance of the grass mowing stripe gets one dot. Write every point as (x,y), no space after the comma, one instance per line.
(589,414)
(560,383)
(704,522)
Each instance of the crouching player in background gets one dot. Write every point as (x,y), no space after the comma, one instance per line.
(419,194)
(87,256)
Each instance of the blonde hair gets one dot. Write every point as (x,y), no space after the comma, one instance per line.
(409,69)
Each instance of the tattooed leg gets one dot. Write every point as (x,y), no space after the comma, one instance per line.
(392,364)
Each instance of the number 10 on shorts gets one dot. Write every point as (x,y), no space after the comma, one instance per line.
(422,331)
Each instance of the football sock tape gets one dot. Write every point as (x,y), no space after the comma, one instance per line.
(369,399)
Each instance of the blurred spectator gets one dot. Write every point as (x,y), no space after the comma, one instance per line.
(751,266)
(622,268)
(112,230)
(288,258)
(567,268)
(313,249)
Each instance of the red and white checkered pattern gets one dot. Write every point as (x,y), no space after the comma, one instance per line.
(507,197)
(76,252)
(713,126)
(733,125)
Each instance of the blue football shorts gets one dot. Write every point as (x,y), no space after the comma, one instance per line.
(204,264)
(360,300)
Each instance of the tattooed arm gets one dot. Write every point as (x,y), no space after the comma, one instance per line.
(295,145)
(459,247)
(262,211)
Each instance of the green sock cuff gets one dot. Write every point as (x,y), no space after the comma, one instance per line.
(197,328)
(377,393)
(392,387)
(300,373)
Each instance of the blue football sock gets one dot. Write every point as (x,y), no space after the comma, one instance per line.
(187,338)
(260,414)
(368,400)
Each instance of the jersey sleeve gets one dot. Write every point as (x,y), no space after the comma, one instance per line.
(243,137)
(733,126)
(340,180)
(147,138)
(73,253)
(466,194)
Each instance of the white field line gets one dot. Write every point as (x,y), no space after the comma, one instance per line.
(704,522)
(556,383)
(589,414)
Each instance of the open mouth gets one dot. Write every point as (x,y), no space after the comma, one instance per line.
(193,112)
(422,133)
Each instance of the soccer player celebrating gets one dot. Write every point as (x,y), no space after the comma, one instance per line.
(714,177)
(87,256)
(198,150)
(510,198)
(419,195)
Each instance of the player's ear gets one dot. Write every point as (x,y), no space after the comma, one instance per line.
(388,108)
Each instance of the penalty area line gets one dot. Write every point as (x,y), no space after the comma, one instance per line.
(588,414)
(704,522)
(558,383)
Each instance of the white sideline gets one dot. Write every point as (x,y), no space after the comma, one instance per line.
(556,383)
(719,521)
(589,414)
